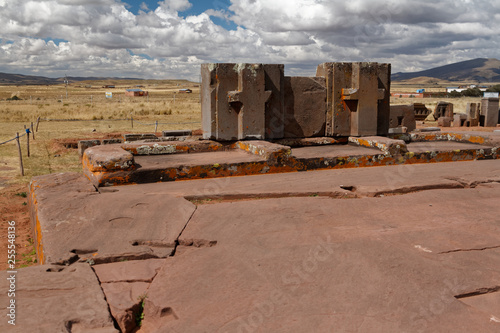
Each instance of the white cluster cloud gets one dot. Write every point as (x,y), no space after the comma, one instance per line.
(102,37)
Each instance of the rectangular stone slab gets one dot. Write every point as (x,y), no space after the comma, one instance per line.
(72,222)
(57,299)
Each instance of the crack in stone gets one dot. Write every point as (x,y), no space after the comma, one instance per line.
(478,292)
(180,234)
(115,323)
(470,250)
(414,189)
(472,184)
(198,242)
(349,192)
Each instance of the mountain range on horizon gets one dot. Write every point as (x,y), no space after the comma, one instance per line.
(20,79)
(475,70)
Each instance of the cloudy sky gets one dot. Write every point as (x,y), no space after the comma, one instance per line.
(171,38)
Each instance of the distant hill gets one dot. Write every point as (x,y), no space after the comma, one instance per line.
(19,79)
(476,70)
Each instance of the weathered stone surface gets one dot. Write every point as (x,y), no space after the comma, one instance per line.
(388,146)
(403,115)
(291,258)
(74,223)
(459,119)
(444,121)
(473,111)
(137,137)
(125,285)
(398,130)
(249,100)
(443,109)
(84,144)
(172,147)
(234,102)
(275,106)
(305,106)
(489,109)
(428,129)
(357,98)
(111,141)
(384,98)
(264,148)
(56,299)
(133,271)
(107,158)
(177,133)
(421,111)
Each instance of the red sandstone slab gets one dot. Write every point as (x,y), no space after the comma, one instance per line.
(333,151)
(56,299)
(73,223)
(439,146)
(344,265)
(355,182)
(125,285)
(129,271)
(178,160)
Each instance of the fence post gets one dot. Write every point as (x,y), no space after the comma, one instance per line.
(27,140)
(32,131)
(37,122)
(20,154)
(132,121)
(156,126)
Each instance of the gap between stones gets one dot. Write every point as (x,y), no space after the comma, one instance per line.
(345,192)
(478,292)
(471,250)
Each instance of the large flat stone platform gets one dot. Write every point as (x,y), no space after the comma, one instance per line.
(147,162)
(402,248)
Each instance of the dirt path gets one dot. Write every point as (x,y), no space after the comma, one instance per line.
(13,207)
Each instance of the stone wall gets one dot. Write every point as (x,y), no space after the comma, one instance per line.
(257,101)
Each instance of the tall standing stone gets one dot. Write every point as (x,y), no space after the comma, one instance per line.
(358,97)
(489,109)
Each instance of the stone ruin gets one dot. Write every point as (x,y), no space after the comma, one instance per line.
(489,109)
(421,111)
(402,119)
(257,101)
(484,114)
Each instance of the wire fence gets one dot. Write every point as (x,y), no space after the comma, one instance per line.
(16,137)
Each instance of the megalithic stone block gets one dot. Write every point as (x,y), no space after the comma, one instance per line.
(235,99)
(338,76)
(209,100)
(358,97)
(305,107)
(489,109)
(364,109)
(384,104)
(275,107)
(443,109)
(402,116)
(249,101)
(473,113)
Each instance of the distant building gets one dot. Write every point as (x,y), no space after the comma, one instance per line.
(109,86)
(136,93)
(186,91)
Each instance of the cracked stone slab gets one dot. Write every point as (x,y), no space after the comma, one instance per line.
(349,265)
(333,183)
(125,285)
(73,223)
(57,299)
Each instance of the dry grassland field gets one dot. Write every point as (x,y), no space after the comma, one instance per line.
(82,111)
